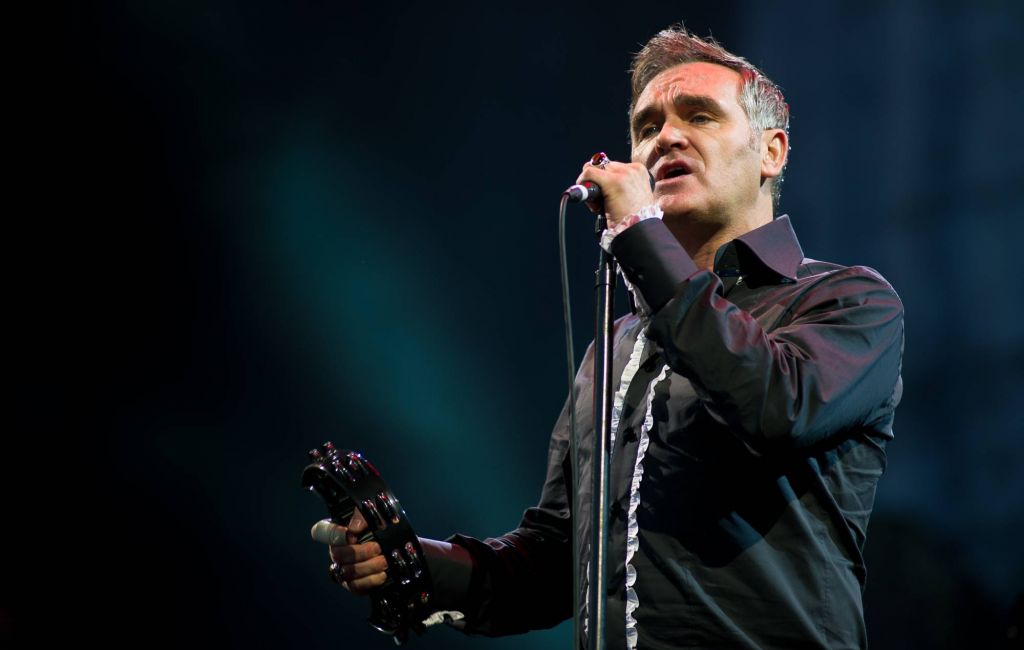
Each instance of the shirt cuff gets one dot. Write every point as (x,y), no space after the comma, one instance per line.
(653,260)
(451,569)
(643,214)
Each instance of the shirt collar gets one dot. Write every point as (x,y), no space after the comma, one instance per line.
(773,247)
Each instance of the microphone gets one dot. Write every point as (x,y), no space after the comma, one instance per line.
(585,191)
(588,191)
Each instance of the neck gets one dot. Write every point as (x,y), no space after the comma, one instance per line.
(703,239)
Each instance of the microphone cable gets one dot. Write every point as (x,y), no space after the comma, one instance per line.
(573,441)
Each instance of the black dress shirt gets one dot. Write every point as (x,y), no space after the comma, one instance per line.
(762,448)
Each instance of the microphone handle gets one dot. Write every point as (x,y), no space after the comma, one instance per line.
(588,191)
(585,191)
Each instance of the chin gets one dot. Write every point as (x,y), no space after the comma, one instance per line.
(680,207)
(694,217)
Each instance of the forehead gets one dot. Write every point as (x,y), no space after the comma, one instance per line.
(697,78)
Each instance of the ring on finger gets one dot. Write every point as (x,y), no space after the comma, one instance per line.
(599,159)
(334,571)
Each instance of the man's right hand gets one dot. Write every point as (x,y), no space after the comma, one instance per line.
(361,567)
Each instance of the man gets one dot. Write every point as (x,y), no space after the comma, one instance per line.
(755,395)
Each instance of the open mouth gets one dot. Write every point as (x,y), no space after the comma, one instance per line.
(673,169)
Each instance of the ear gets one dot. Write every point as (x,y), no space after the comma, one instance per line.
(774,150)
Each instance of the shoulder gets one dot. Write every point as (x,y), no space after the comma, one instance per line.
(811,271)
(818,280)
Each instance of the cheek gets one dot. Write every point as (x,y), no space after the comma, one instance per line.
(743,160)
(641,154)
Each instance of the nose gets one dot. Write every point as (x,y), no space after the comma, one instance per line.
(671,136)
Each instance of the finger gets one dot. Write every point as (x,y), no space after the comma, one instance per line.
(326,531)
(360,586)
(591,173)
(354,553)
(356,526)
(357,522)
(362,569)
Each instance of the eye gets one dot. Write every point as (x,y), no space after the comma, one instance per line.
(700,118)
(647,131)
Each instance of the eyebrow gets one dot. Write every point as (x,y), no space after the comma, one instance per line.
(698,102)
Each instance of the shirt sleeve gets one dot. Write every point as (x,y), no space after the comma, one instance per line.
(833,363)
(522,580)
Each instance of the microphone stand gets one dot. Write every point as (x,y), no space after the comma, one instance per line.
(597,587)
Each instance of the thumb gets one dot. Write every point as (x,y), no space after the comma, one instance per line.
(326,531)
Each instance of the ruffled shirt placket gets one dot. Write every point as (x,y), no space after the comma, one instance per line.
(632,527)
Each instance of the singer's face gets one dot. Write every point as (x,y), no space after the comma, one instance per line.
(690,131)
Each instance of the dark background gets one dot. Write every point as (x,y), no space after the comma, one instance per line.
(251,227)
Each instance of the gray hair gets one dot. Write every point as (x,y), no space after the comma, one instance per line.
(759,97)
